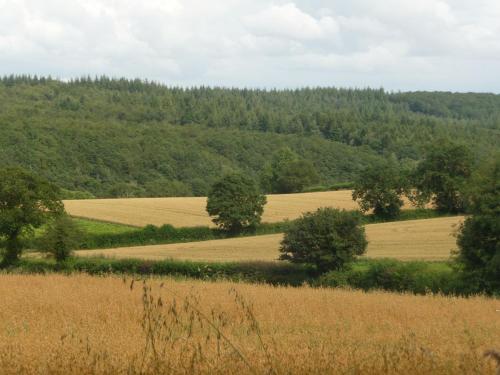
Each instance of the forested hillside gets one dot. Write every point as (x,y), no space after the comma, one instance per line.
(134,138)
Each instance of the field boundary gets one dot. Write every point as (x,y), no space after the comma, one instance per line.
(167,234)
(418,277)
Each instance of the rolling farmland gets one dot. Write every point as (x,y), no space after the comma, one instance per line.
(429,239)
(190,211)
(83,324)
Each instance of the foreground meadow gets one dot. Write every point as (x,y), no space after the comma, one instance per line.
(191,211)
(427,239)
(80,324)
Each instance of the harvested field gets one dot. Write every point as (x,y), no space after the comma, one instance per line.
(189,212)
(80,325)
(233,249)
(429,239)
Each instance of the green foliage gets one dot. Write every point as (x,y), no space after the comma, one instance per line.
(484,189)
(479,236)
(72,194)
(259,272)
(379,188)
(61,237)
(327,239)
(117,137)
(287,173)
(397,276)
(442,176)
(236,203)
(26,202)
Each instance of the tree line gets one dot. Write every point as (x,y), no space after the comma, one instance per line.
(109,137)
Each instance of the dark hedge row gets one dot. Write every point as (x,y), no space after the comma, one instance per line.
(151,235)
(261,272)
(386,274)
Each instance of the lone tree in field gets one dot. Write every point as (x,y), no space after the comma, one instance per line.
(442,175)
(236,203)
(26,202)
(328,239)
(379,188)
(479,236)
(61,238)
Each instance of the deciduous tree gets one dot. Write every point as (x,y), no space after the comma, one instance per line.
(479,237)
(442,175)
(26,201)
(328,239)
(236,203)
(379,187)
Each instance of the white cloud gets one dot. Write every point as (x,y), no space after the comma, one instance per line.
(288,21)
(377,58)
(398,44)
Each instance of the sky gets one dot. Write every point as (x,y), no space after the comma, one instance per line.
(407,45)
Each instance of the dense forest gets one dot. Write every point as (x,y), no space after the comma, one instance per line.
(116,137)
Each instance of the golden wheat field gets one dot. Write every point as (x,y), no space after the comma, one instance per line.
(428,239)
(105,325)
(190,211)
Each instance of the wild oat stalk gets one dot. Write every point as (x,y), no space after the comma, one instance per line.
(495,355)
(254,325)
(156,319)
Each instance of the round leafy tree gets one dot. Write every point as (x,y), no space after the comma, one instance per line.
(443,175)
(26,202)
(479,236)
(236,203)
(379,187)
(328,239)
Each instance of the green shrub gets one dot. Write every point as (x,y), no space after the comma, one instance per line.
(61,238)
(327,239)
(397,276)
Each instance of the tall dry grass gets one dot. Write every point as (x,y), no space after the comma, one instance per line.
(88,325)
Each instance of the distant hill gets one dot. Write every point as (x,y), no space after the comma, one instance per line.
(117,137)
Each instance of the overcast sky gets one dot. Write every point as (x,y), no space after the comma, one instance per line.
(451,45)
